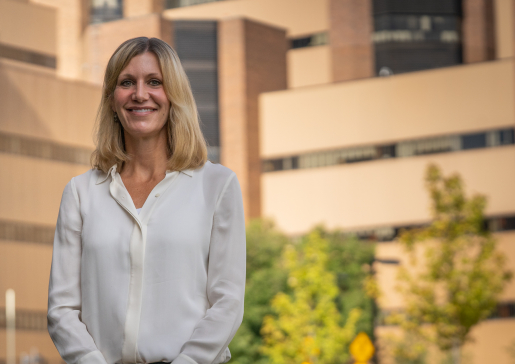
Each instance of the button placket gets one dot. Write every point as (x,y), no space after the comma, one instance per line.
(130,352)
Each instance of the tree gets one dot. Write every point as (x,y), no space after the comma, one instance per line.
(462,273)
(265,278)
(350,260)
(306,328)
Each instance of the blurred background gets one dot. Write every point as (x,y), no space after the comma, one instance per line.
(329,111)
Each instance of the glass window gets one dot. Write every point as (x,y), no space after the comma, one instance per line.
(473,141)
(169,4)
(416,35)
(106,10)
(310,40)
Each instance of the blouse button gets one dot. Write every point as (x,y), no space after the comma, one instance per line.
(157,194)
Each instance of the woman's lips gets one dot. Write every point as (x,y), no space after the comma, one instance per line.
(141,112)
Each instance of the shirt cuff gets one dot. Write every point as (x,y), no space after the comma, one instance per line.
(183,359)
(94,357)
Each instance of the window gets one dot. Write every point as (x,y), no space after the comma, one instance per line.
(473,141)
(416,35)
(310,40)
(408,148)
(169,4)
(106,10)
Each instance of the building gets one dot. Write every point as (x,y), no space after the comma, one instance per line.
(291,99)
(45,139)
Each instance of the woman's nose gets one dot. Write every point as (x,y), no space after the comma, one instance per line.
(140,93)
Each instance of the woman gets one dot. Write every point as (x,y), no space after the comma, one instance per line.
(149,250)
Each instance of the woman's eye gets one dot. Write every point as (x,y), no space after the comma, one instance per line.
(155,82)
(126,83)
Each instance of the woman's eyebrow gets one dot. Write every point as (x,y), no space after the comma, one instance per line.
(128,75)
(123,75)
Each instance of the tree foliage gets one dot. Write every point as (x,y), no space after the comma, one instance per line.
(350,260)
(265,278)
(306,327)
(462,273)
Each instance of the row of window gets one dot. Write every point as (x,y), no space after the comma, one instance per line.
(25,232)
(503,310)
(31,147)
(26,320)
(440,144)
(23,55)
(169,4)
(385,234)
(384,36)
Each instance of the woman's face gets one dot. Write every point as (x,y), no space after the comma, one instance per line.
(139,97)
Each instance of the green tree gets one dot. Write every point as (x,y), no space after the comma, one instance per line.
(306,327)
(265,278)
(350,260)
(462,273)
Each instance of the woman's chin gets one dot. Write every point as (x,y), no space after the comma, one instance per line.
(143,133)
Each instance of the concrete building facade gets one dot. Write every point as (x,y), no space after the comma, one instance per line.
(290,98)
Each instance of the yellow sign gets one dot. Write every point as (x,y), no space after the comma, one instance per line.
(362,348)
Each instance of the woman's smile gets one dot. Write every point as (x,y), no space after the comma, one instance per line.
(139,99)
(139,111)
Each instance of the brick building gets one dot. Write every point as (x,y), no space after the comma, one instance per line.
(327,110)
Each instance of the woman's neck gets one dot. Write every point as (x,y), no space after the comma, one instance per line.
(149,157)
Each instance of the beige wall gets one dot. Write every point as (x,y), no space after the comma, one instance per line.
(101,40)
(387,273)
(132,8)
(491,341)
(37,104)
(25,268)
(442,101)
(27,340)
(382,192)
(504,28)
(309,66)
(70,22)
(298,17)
(33,188)
(27,26)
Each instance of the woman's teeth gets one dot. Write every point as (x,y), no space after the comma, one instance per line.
(142,110)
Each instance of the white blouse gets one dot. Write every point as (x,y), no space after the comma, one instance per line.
(164,285)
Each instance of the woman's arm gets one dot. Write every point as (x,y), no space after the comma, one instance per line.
(69,334)
(225,282)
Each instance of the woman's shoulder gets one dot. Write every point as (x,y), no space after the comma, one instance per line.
(83,181)
(214,172)
(217,181)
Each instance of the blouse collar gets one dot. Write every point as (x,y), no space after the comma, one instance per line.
(112,172)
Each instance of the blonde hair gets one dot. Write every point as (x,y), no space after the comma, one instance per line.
(186,144)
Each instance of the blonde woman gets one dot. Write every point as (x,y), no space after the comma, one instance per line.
(149,250)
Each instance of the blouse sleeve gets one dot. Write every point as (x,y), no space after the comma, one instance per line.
(225,282)
(66,329)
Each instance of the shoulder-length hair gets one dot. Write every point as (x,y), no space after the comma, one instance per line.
(186,145)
